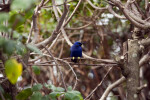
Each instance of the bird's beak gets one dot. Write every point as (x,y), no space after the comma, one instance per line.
(80,44)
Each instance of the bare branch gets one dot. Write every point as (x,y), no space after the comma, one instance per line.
(56,31)
(145,42)
(79,28)
(115,14)
(146,4)
(109,88)
(68,20)
(98,84)
(136,20)
(141,87)
(34,17)
(104,8)
(144,59)
(72,71)
(57,67)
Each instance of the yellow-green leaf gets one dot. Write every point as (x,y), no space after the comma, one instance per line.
(13,70)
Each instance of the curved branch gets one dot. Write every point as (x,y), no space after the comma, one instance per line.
(144,59)
(98,84)
(79,28)
(114,13)
(104,8)
(56,31)
(68,20)
(145,42)
(137,21)
(115,84)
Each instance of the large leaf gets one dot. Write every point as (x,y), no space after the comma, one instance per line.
(24,94)
(54,95)
(36,96)
(73,95)
(13,70)
(57,89)
(37,87)
(9,47)
(46,97)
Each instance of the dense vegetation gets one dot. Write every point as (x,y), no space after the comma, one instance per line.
(35,41)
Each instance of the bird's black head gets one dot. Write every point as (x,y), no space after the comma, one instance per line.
(77,43)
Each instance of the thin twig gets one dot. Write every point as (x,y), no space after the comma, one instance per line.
(29,71)
(109,88)
(79,28)
(38,64)
(68,20)
(72,71)
(57,67)
(98,84)
(98,8)
(56,31)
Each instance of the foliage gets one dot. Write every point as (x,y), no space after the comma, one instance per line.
(13,70)
(103,38)
(35,94)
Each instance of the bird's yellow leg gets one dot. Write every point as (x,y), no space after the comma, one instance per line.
(79,57)
(73,58)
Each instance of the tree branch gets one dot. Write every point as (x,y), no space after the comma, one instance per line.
(104,8)
(114,13)
(144,59)
(109,88)
(98,84)
(145,42)
(56,31)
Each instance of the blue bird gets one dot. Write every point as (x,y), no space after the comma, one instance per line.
(76,51)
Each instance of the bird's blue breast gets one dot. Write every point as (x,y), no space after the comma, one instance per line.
(76,51)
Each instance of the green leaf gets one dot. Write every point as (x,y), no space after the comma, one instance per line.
(69,88)
(20,48)
(13,70)
(29,13)
(16,20)
(9,47)
(46,97)
(37,87)
(33,48)
(21,4)
(73,95)
(36,70)
(24,94)
(57,89)
(54,95)
(36,96)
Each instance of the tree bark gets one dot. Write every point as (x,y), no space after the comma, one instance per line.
(133,81)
